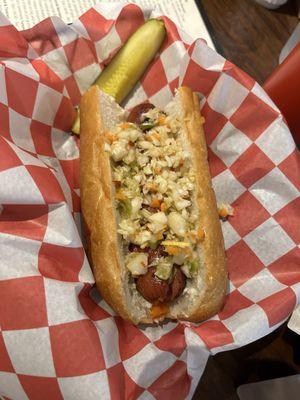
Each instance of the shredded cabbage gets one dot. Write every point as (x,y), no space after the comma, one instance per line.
(155,190)
(136,263)
(164,268)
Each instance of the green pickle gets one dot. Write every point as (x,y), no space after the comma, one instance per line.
(128,65)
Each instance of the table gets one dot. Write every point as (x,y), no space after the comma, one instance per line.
(248,34)
(273,356)
(251,37)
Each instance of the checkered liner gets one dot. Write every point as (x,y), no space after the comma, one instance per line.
(58,339)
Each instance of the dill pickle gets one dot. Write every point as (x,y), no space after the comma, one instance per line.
(131,61)
(129,64)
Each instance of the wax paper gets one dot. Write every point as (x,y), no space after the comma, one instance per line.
(58,338)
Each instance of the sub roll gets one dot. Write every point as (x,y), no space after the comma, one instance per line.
(152,227)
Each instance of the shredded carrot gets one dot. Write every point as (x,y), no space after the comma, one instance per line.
(155,203)
(201,234)
(152,187)
(161,119)
(125,125)
(223,212)
(159,310)
(111,137)
(173,250)
(157,170)
(120,195)
(163,207)
(154,135)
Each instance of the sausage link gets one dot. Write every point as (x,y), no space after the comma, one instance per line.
(178,283)
(137,111)
(152,288)
(156,290)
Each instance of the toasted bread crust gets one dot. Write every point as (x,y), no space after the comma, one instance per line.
(213,296)
(97,203)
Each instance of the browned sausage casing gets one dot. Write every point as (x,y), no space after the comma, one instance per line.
(137,111)
(155,290)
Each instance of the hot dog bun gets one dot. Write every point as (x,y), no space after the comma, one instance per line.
(206,291)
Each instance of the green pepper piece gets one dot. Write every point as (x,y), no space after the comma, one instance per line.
(193,267)
(147,125)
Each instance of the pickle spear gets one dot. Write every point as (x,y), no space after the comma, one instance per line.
(131,61)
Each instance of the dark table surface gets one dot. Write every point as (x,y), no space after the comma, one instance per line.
(248,34)
(251,37)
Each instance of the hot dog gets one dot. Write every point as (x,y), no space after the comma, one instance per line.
(154,235)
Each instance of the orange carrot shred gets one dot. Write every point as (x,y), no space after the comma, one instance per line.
(201,234)
(159,310)
(111,137)
(163,207)
(223,213)
(155,203)
(161,120)
(172,250)
(152,187)
(125,125)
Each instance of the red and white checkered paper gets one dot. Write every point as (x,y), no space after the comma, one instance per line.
(58,339)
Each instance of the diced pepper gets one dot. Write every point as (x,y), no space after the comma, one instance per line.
(193,266)
(147,125)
